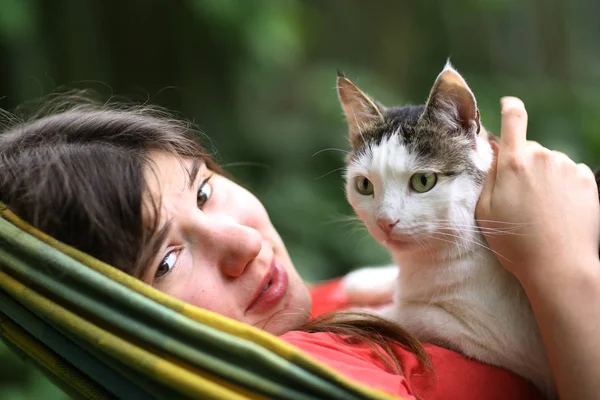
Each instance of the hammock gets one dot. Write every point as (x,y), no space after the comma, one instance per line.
(99,333)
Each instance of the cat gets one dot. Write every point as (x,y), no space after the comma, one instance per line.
(413,176)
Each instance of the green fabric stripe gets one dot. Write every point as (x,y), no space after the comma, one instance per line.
(145,332)
(105,376)
(64,386)
(110,300)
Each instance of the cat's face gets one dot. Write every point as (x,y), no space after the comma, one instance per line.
(416,172)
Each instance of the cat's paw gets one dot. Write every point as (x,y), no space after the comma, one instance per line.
(371,286)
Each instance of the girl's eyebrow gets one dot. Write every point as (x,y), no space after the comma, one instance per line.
(156,240)
(193,172)
(152,246)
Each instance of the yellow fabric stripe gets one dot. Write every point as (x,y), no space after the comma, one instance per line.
(192,384)
(67,374)
(206,317)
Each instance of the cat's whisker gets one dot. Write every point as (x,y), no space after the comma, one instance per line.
(426,246)
(343,219)
(504,223)
(459,245)
(475,243)
(350,226)
(514,224)
(487,220)
(331,172)
(501,233)
(357,123)
(476,230)
(490,232)
(367,236)
(331,149)
(359,229)
(465,239)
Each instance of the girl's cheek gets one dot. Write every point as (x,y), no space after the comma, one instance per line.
(186,263)
(175,279)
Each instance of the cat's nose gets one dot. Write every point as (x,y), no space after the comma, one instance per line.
(386,224)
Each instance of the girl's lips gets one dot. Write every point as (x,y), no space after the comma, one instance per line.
(276,284)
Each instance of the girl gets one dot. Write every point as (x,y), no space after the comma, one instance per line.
(131,187)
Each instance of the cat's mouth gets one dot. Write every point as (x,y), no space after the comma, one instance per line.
(398,242)
(398,238)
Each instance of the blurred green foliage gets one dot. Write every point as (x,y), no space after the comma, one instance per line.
(258,77)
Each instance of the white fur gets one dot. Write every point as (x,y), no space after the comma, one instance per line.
(371,285)
(451,290)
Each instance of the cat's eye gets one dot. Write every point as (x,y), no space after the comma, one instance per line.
(204,192)
(166,264)
(423,181)
(364,186)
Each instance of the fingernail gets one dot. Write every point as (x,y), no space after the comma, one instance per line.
(511,101)
(504,100)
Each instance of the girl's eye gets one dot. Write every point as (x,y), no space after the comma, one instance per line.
(364,186)
(166,265)
(204,192)
(423,181)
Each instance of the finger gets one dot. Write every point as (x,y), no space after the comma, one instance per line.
(564,159)
(495,147)
(584,168)
(534,146)
(513,134)
(485,198)
(587,173)
(560,154)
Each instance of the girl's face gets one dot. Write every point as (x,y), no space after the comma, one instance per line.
(221,251)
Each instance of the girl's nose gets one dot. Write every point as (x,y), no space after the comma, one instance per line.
(235,244)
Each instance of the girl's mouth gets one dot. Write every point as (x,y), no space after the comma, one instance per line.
(272,291)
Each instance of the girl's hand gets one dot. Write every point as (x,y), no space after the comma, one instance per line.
(543,206)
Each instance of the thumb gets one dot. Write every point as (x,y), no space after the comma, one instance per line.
(484,204)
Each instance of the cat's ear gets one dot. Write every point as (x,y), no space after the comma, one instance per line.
(452,103)
(361,111)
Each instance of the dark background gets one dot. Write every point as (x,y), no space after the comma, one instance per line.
(258,76)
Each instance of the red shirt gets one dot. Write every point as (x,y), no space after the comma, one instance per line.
(456,376)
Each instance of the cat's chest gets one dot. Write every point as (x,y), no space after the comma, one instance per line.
(475,278)
(470,297)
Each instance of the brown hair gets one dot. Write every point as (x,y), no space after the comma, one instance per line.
(75,170)
(377,332)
